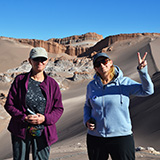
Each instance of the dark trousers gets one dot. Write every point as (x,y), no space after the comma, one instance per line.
(119,148)
(21,148)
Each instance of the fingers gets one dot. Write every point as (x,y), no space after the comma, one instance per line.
(32,116)
(144,57)
(139,57)
(91,126)
(142,61)
(33,119)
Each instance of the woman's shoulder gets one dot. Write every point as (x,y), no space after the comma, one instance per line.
(21,76)
(50,79)
(126,80)
(91,84)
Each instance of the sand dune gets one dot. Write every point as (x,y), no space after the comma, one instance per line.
(71,131)
(12,54)
(145,117)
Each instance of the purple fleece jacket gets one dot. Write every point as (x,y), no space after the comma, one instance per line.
(15,106)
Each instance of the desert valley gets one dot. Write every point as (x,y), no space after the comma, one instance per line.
(71,66)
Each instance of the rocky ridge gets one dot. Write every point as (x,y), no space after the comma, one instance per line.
(61,69)
(105,45)
(73,45)
(77,38)
(81,45)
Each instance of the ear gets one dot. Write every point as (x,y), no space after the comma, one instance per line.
(95,68)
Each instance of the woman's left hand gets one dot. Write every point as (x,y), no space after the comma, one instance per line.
(141,61)
(41,118)
(90,126)
(35,119)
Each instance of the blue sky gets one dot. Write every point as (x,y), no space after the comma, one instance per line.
(45,19)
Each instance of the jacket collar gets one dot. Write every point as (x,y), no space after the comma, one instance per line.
(118,76)
(45,76)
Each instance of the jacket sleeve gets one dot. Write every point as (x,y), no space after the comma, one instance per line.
(87,108)
(57,108)
(11,105)
(146,86)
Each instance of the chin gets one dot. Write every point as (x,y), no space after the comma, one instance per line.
(39,69)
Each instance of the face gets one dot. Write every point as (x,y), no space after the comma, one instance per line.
(103,65)
(38,64)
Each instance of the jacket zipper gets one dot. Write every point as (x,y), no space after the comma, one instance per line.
(104,109)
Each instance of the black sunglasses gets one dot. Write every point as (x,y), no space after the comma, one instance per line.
(39,59)
(103,61)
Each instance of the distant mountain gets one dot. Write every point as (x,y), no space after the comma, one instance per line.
(81,45)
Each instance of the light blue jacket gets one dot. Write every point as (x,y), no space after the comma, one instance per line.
(109,104)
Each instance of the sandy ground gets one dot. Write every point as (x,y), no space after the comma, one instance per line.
(71,131)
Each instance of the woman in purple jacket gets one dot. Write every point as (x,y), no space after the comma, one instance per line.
(35,105)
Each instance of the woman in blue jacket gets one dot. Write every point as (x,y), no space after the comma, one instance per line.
(35,105)
(106,110)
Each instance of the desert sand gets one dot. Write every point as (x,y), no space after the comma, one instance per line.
(72,133)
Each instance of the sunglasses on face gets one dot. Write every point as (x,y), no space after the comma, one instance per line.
(39,59)
(103,61)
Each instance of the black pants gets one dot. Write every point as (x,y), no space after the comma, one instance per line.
(21,148)
(119,148)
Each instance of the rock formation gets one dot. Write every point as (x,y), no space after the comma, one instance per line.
(60,68)
(63,45)
(76,38)
(103,45)
(81,45)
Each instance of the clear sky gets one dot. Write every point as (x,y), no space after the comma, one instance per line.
(45,19)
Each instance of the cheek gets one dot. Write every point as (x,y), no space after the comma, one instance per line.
(44,64)
(110,63)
